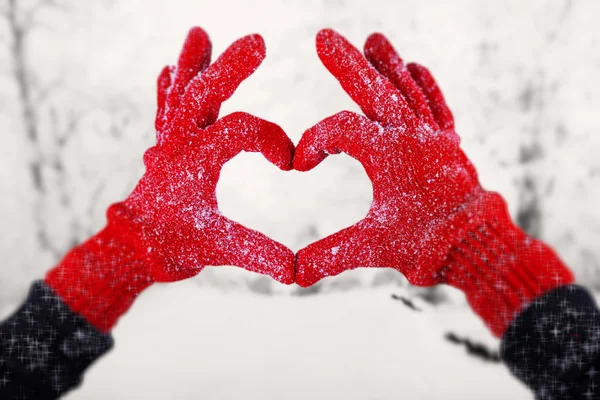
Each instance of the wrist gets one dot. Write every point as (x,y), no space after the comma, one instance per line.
(501,269)
(101,278)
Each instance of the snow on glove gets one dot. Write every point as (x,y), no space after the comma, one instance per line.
(170,227)
(430,218)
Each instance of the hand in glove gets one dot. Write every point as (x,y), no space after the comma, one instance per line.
(430,218)
(170,227)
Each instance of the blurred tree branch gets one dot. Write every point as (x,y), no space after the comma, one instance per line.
(45,142)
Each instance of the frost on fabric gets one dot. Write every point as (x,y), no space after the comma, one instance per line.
(170,227)
(176,200)
(430,218)
(420,176)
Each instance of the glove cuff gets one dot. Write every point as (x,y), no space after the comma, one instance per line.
(501,269)
(101,278)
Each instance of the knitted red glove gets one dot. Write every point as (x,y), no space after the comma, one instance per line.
(170,227)
(430,218)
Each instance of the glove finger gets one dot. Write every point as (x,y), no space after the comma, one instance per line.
(162,87)
(253,251)
(382,55)
(377,97)
(433,94)
(241,131)
(353,247)
(207,91)
(193,59)
(345,131)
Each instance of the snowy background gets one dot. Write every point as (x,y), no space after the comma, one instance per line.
(77,107)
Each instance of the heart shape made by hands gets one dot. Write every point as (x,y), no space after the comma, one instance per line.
(295,208)
(406,142)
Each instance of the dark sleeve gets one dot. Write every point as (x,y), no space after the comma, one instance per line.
(45,347)
(553,346)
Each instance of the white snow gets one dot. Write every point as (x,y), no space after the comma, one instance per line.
(182,342)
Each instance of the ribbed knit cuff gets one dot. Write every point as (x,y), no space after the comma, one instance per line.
(501,270)
(101,278)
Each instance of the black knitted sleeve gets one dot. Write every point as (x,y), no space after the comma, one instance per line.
(45,347)
(554,345)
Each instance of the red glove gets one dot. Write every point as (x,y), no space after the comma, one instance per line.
(430,218)
(170,227)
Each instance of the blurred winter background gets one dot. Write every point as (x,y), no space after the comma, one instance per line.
(77,105)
